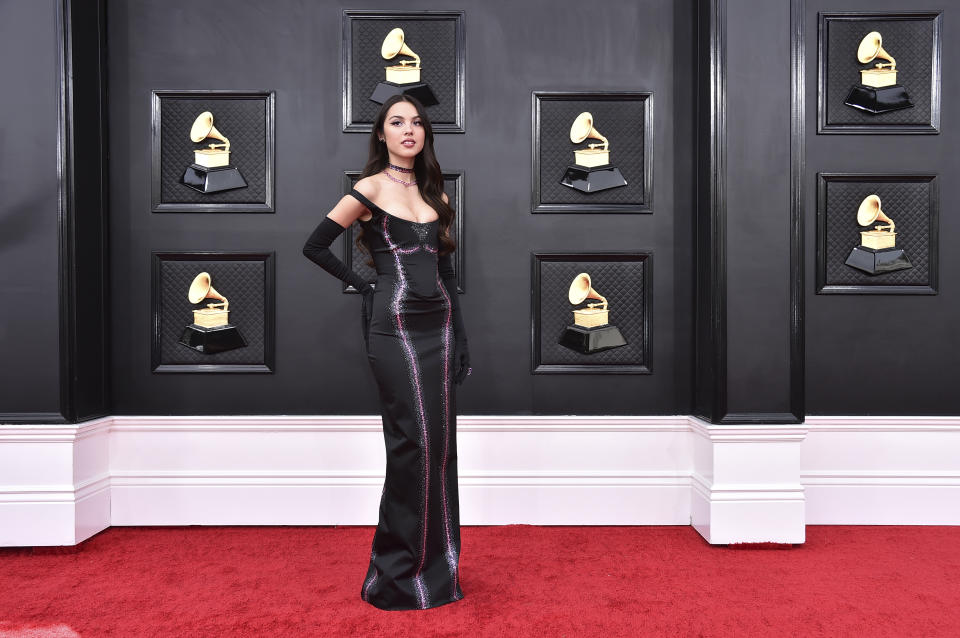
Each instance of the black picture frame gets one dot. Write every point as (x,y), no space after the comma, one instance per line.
(856,123)
(348,247)
(163,181)
(267,363)
(537,364)
(643,203)
(826,259)
(352,122)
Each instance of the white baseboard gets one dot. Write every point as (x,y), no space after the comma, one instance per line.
(61,484)
(54,483)
(882,470)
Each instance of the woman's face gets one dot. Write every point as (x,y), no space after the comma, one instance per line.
(403,132)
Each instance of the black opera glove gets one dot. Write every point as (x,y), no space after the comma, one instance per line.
(317,249)
(461,358)
(461,353)
(366,311)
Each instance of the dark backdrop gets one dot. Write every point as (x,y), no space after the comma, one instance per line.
(293,47)
(884,354)
(29,205)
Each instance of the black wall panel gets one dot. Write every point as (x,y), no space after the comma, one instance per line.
(293,47)
(29,207)
(758,207)
(884,354)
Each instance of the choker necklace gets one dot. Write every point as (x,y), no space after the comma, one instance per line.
(399,169)
(399,181)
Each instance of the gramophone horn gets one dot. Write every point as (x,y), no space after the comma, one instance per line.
(393,46)
(201,289)
(203,128)
(870,48)
(581,290)
(582,128)
(869,212)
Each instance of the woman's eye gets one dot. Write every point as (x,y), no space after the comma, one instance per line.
(418,123)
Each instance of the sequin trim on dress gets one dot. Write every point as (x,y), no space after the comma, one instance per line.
(450,551)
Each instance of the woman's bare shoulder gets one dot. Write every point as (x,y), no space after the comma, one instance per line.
(369,187)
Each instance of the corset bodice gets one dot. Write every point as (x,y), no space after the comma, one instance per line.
(403,249)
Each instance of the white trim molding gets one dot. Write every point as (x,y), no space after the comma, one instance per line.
(60,484)
(54,483)
(746,483)
(882,470)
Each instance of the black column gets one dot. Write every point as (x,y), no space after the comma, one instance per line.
(84,360)
(53,223)
(748,336)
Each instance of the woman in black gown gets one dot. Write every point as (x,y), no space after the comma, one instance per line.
(417,349)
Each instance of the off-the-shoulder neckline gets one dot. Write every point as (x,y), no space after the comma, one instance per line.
(372,206)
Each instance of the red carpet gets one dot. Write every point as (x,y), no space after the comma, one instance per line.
(518,580)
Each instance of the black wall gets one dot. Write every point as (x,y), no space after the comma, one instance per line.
(885,354)
(29,209)
(865,354)
(293,47)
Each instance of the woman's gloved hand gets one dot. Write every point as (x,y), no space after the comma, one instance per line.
(366,311)
(461,358)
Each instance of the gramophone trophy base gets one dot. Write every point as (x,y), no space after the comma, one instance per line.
(419,90)
(590,340)
(212,340)
(213,180)
(593,179)
(877,262)
(878,100)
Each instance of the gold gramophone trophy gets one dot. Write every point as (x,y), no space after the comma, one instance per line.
(878,91)
(403,77)
(877,252)
(211,171)
(591,170)
(591,330)
(210,331)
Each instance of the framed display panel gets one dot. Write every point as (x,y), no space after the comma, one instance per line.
(245,118)
(912,38)
(436,36)
(624,279)
(910,200)
(625,118)
(357,259)
(245,279)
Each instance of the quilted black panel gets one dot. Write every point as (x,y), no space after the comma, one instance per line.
(910,42)
(242,121)
(907,203)
(621,121)
(241,282)
(433,40)
(359,259)
(621,282)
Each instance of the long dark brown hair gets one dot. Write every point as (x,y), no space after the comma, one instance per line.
(426,169)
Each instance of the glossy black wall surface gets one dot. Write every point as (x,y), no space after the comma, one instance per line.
(885,354)
(29,209)
(293,47)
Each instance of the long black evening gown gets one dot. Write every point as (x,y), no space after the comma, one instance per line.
(414,563)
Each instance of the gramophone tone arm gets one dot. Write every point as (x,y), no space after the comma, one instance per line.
(885,227)
(601,298)
(890,62)
(415,61)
